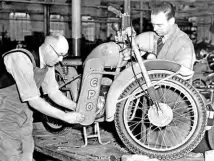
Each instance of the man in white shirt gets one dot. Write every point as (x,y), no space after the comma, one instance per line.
(30,72)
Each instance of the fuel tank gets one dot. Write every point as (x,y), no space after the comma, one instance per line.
(146,41)
(108,52)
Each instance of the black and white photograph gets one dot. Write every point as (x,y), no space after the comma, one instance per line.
(106,80)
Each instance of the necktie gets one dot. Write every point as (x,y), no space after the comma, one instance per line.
(159,44)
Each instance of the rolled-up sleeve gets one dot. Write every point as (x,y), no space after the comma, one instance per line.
(21,68)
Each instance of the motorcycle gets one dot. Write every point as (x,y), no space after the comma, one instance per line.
(155,110)
(203,81)
(203,69)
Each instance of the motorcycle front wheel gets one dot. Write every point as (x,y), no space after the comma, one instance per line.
(168,132)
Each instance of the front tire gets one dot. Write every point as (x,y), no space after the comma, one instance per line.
(140,131)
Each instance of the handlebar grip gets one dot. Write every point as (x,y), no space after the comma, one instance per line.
(114,10)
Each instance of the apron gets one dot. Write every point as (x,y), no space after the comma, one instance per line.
(16,121)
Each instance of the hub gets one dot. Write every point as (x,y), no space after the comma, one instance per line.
(162,116)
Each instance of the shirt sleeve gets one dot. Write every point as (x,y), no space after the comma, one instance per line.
(20,67)
(185,54)
(50,84)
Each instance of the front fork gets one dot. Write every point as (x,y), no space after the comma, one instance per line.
(153,96)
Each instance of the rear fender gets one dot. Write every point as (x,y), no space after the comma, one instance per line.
(127,76)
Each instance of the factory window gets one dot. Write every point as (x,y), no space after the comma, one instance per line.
(57,24)
(88,28)
(20,26)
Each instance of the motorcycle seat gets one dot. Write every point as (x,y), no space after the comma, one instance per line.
(72,61)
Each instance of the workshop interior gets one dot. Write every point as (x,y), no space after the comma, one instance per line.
(135,108)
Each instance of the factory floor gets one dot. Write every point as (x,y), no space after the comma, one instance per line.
(68,147)
(49,147)
(42,157)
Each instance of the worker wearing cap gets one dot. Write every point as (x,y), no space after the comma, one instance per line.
(26,73)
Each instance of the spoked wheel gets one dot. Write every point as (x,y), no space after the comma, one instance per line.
(166,133)
(199,83)
(53,125)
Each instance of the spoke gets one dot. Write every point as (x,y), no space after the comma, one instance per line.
(135,125)
(140,133)
(184,123)
(176,103)
(180,130)
(164,91)
(135,104)
(186,106)
(144,114)
(191,118)
(167,90)
(156,142)
(173,134)
(179,103)
(139,118)
(162,95)
(162,135)
(183,113)
(148,132)
(170,93)
(183,116)
(132,122)
(172,103)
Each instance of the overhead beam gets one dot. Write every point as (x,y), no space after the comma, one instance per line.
(35,2)
(172,1)
(36,7)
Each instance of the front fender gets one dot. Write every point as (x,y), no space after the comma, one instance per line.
(127,76)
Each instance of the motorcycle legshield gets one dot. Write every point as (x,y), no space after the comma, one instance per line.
(125,77)
(90,89)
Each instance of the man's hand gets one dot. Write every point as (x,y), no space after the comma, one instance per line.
(74,106)
(73,117)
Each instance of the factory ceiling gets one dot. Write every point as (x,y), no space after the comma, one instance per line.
(185,8)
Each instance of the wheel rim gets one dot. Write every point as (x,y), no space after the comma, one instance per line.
(198,83)
(177,130)
(53,124)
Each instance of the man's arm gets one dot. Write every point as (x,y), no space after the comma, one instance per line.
(185,54)
(59,98)
(45,108)
(51,87)
(20,66)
